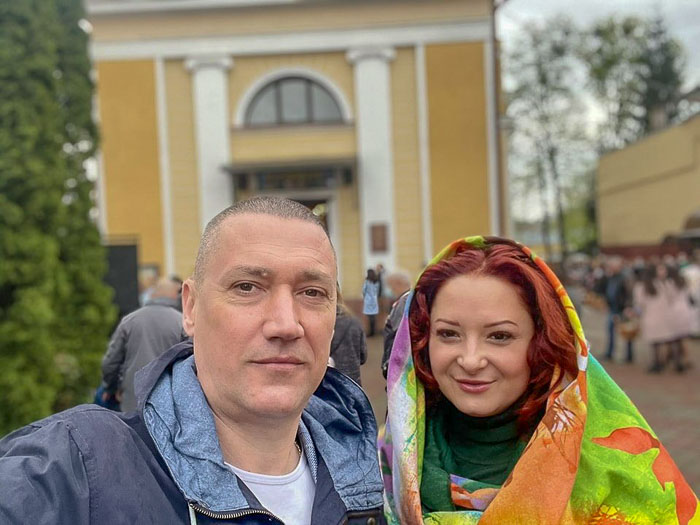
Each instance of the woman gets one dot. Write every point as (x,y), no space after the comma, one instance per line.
(370,300)
(497,413)
(683,317)
(652,302)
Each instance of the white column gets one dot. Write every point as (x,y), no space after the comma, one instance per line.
(211,123)
(492,143)
(424,153)
(375,149)
(166,203)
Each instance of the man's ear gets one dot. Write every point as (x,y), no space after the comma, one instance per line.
(189,307)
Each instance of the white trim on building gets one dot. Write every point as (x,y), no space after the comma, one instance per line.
(374,149)
(276,74)
(94,7)
(492,140)
(211,124)
(166,203)
(424,152)
(301,42)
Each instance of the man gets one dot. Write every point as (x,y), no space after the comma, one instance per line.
(615,290)
(242,425)
(399,284)
(139,338)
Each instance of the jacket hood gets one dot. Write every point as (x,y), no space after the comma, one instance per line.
(338,425)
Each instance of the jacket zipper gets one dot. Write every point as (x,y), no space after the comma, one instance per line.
(231,515)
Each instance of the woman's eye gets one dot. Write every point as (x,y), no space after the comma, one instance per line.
(501,337)
(446,333)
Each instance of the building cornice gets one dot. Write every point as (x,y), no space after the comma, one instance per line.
(154,6)
(300,42)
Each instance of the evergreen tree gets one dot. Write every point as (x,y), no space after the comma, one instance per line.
(662,74)
(80,343)
(54,309)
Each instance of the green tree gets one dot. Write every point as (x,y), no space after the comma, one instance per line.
(546,109)
(87,301)
(54,308)
(662,73)
(635,70)
(612,51)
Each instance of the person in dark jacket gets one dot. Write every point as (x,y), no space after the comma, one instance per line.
(349,346)
(139,338)
(244,424)
(614,288)
(400,284)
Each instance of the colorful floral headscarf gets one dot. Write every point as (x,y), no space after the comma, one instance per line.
(592,458)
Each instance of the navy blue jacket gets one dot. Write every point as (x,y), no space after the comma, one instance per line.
(92,465)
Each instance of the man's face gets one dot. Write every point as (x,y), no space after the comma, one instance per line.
(262,318)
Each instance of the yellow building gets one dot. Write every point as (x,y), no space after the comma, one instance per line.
(380,115)
(648,190)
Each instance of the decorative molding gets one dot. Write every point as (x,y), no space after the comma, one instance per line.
(166,202)
(424,152)
(357,54)
(194,63)
(300,42)
(271,76)
(125,7)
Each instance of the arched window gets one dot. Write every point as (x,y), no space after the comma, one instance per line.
(292,101)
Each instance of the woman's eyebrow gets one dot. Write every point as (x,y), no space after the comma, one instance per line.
(505,321)
(447,321)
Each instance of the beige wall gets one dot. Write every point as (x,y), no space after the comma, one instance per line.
(298,17)
(184,189)
(647,190)
(126,93)
(407,190)
(458,141)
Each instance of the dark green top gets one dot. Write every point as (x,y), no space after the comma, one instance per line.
(483,449)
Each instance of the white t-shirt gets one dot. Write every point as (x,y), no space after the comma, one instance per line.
(289,497)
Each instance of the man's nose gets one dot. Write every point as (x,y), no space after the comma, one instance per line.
(281,318)
(472,356)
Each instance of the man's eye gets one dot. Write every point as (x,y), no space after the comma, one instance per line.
(245,287)
(313,292)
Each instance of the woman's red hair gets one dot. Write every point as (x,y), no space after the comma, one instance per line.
(552,343)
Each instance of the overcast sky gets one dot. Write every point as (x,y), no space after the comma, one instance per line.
(682,17)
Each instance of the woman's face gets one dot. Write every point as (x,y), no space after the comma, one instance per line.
(480,331)
(661,271)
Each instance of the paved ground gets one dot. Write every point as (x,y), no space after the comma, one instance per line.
(670,402)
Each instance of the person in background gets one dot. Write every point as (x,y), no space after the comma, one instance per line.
(400,285)
(141,337)
(652,302)
(370,300)
(690,271)
(348,346)
(614,288)
(682,316)
(498,413)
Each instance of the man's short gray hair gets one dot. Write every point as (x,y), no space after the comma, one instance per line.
(262,205)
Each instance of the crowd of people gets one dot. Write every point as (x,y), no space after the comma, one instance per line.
(497,411)
(656,300)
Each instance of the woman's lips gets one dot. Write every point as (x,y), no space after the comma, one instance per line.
(474,387)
